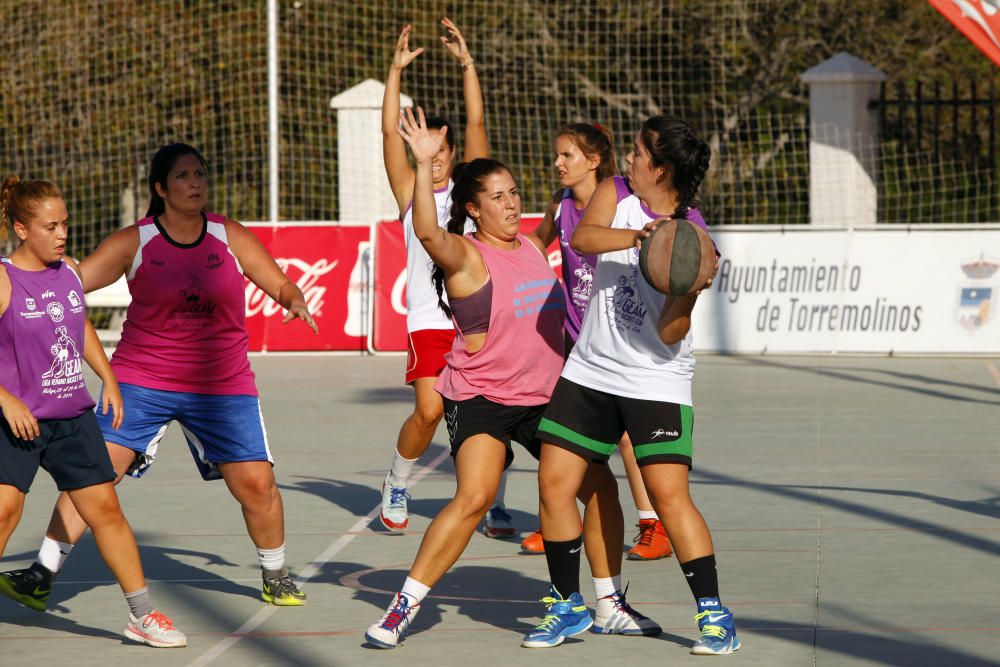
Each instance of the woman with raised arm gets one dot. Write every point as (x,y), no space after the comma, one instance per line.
(48,420)
(508,310)
(183,357)
(630,372)
(429,332)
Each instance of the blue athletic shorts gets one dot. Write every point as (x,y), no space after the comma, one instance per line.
(218,429)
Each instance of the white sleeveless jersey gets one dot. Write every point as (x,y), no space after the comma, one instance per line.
(422,311)
(619,350)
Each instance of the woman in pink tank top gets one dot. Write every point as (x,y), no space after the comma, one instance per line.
(183,352)
(48,419)
(509,310)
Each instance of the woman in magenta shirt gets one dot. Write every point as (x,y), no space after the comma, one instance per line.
(183,353)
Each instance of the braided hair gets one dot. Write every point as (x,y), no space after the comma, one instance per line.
(673,144)
(470,179)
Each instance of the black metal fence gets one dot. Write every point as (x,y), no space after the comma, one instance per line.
(938,152)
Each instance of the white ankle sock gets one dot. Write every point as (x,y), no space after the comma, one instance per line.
(53,554)
(501,490)
(272,559)
(646,514)
(604,587)
(399,474)
(415,590)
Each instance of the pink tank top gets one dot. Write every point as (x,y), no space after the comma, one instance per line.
(522,355)
(185,329)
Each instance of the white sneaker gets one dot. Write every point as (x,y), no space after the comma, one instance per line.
(394,514)
(614,616)
(392,627)
(156,630)
(498,523)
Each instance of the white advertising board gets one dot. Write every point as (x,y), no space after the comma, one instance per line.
(917,290)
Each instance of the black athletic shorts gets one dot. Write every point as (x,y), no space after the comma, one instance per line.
(591,422)
(479,415)
(71,450)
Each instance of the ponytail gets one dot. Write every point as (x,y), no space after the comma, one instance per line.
(673,144)
(469,182)
(19,200)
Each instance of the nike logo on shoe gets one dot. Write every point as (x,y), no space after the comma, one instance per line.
(716,619)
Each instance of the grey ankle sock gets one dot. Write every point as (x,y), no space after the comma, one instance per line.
(138,602)
(272,575)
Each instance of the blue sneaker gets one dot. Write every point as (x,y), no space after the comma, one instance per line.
(565,618)
(718,632)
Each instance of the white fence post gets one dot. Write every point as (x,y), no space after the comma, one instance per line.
(843,142)
(363,189)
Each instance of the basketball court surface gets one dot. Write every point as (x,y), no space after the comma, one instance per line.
(853,502)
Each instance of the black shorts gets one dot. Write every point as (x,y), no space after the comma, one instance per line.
(478,416)
(591,422)
(71,450)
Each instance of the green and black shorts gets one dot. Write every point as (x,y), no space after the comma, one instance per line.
(591,422)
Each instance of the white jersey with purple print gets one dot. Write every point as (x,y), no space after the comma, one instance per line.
(619,350)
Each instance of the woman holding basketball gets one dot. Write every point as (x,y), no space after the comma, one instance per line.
(585,156)
(48,420)
(430,333)
(183,356)
(631,371)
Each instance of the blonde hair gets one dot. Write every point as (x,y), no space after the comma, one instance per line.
(19,200)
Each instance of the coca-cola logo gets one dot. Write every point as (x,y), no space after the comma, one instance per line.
(303,274)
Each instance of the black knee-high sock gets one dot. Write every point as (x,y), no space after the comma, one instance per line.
(702,577)
(563,559)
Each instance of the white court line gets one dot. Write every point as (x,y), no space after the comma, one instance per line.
(991,367)
(309,571)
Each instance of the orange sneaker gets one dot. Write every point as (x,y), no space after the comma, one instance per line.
(652,540)
(533,544)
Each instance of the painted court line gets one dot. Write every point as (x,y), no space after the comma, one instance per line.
(991,367)
(309,571)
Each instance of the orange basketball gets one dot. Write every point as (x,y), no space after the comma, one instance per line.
(677,258)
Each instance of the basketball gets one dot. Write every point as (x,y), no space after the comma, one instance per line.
(677,258)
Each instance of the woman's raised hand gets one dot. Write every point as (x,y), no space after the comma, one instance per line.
(401,55)
(424,143)
(455,42)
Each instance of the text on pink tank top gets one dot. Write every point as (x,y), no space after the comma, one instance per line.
(522,355)
(185,329)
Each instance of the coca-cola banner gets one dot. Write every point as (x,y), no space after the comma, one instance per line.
(389,302)
(329,264)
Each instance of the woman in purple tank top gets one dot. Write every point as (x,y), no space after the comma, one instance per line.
(47,417)
(585,156)
(183,354)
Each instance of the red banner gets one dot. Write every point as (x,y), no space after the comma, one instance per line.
(979,20)
(389,332)
(327,262)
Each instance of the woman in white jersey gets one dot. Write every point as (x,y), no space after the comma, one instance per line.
(585,156)
(430,334)
(631,371)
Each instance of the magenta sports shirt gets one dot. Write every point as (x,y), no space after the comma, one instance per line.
(185,329)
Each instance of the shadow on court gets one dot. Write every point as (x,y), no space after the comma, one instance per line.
(858,375)
(502,598)
(807,494)
(157,562)
(903,650)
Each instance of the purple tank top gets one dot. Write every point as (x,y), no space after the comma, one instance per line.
(577,269)
(41,339)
